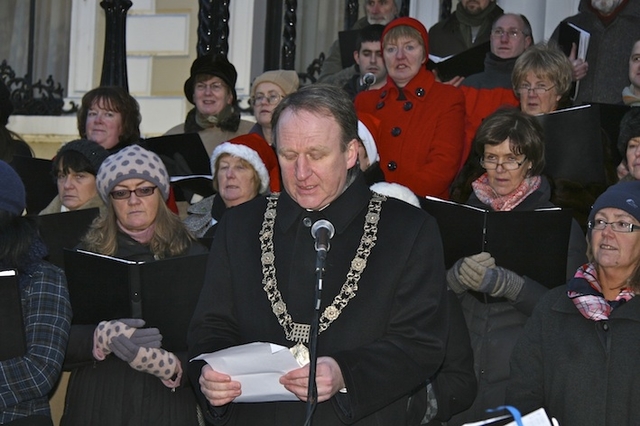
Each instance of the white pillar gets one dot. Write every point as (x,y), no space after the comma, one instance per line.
(543,15)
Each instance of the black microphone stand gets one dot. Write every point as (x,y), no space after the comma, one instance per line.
(312,390)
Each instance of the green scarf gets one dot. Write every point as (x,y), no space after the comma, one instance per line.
(468,21)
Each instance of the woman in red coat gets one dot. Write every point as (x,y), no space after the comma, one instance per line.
(422,121)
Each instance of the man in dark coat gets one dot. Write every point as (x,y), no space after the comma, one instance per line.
(383,311)
(468,26)
(613,26)
(376,12)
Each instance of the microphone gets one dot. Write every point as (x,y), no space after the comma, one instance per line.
(368,79)
(322,231)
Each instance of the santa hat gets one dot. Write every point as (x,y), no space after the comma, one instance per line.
(368,127)
(395,190)
(257,152)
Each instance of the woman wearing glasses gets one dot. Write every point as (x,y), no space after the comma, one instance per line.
(496,301)
(211,89)
(578,354)
(266,93)
(110,383)
(541,79)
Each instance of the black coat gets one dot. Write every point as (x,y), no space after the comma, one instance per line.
(495,324)
(110,392)
(388,340)
(582,372)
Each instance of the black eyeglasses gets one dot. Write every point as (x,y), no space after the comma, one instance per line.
(618,226)
(492,164)
(123,194)
(525,90)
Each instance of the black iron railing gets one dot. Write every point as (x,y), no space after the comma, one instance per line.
(29,97)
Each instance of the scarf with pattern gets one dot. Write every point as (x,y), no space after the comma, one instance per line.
(488,196)
(585,292)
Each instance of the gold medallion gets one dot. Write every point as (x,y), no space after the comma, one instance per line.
(300,353)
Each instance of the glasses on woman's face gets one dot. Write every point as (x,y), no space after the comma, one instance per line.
(123,194)
(272,99)
(618,226)
(509,164)
(214,87)
(539,90)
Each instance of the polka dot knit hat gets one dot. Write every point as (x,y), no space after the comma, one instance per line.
(133,162)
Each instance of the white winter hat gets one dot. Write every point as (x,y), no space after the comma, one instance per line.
(245,149)
(395,190)
(369,142)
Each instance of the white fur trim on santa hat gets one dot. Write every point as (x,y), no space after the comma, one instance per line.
(369,142)
(395,190)
(246,153)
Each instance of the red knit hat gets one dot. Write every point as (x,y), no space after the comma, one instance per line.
(410,22)
(254,149)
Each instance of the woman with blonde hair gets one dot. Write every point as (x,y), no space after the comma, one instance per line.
(542,79)
(112,382)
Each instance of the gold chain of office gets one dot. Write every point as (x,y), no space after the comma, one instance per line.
(297,332)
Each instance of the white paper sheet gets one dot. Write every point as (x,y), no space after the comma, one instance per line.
(258,366)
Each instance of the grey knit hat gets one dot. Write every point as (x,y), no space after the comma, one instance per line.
(92,151)
(132,162)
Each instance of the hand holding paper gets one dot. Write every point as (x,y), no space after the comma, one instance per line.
(218,387)
(329,380)
(247,373)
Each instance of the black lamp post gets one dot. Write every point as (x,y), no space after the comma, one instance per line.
(114,62)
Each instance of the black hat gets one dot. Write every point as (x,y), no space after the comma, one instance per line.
(6,107)
(629,129)
(91,150)
(213,64)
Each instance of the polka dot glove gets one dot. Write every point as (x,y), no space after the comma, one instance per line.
(129,327)
(162,364)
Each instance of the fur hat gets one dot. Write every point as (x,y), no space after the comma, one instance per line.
(410,22)
(12,194)
(368,126)
(6,107)
(623,195)
(92,151)
(629,129)
(213,64)
(395,190)
(254,149)
(286,80)
(132,162)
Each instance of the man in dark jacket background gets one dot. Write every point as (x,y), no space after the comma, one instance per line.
(468,26)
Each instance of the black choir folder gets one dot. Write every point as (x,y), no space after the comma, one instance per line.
(164,292)
(573,145)
(64,230)
(12,335)
(532,243)
(463,64)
